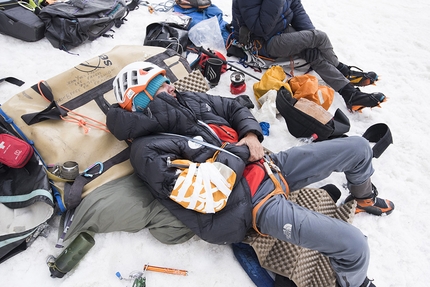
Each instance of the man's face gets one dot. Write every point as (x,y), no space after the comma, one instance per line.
(168,88)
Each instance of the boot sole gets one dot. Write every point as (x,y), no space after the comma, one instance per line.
(374,210)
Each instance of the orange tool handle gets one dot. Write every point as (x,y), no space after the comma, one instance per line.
(147,267)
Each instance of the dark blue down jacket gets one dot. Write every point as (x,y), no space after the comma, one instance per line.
(188,115)
(266,18)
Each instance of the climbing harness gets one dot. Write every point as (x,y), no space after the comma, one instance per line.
(270,167)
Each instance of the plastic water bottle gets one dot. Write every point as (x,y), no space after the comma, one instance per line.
(307,140)
(71,255)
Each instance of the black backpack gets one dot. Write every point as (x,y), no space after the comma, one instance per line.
(69,24)
(167,35)
(26,200)
(301,124)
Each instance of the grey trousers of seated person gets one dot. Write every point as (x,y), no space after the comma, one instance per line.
(292,43)
(344,244)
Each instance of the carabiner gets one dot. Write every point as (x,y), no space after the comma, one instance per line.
(270,163)
(87,174)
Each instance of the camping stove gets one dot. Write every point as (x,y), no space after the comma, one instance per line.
(238,84)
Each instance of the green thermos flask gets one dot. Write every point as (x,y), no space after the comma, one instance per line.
(71,255)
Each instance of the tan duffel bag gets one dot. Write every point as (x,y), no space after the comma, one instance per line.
(65,118)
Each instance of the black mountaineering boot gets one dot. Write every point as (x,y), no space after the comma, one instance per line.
(356,76)
(356,100)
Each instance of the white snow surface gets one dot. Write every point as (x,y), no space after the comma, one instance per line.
(389,37)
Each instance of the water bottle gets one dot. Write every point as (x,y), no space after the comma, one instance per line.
(71,255)
(307,140)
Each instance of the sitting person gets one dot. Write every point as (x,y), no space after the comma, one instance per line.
(284,29)
(166,126)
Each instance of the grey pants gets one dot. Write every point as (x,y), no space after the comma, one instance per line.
(291,43)
(343,243)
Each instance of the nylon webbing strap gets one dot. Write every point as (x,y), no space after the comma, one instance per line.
(27,197)
(278,190)
(54,111)
(12,80)
(381,135)
(73,192)
(159,60)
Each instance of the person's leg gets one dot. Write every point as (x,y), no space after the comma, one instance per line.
(343,243)
(290,44)
(326,65)
(310,163)
(307,164)
(294,42)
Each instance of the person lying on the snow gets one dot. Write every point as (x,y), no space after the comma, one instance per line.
(283,29)
(176,134)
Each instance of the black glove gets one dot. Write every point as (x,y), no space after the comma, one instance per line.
(244,36)
(311,54)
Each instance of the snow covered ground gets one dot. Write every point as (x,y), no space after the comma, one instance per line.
(389,37)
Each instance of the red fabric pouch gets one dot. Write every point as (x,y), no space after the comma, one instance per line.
(254,174)
(14,152)
(225,133)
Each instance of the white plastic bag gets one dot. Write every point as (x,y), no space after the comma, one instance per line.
(267,112)
(201,37)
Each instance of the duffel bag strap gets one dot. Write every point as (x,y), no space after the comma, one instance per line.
(12,80)
(73,191)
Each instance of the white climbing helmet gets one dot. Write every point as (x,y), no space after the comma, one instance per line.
(134,79)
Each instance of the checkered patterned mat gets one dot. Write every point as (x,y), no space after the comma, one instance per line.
(307,268)
(194,82)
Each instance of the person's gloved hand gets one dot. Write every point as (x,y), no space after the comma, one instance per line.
(244,36)
(311,54)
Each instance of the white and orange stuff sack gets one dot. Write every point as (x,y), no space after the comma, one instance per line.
(203,187)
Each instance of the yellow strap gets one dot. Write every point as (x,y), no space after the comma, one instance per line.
(57,178)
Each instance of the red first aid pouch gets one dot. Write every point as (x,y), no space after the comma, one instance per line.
(14,152)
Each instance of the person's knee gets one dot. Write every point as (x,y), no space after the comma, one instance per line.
(361,249)
(361,147)
(355,247)
(321,36)
(320,33)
